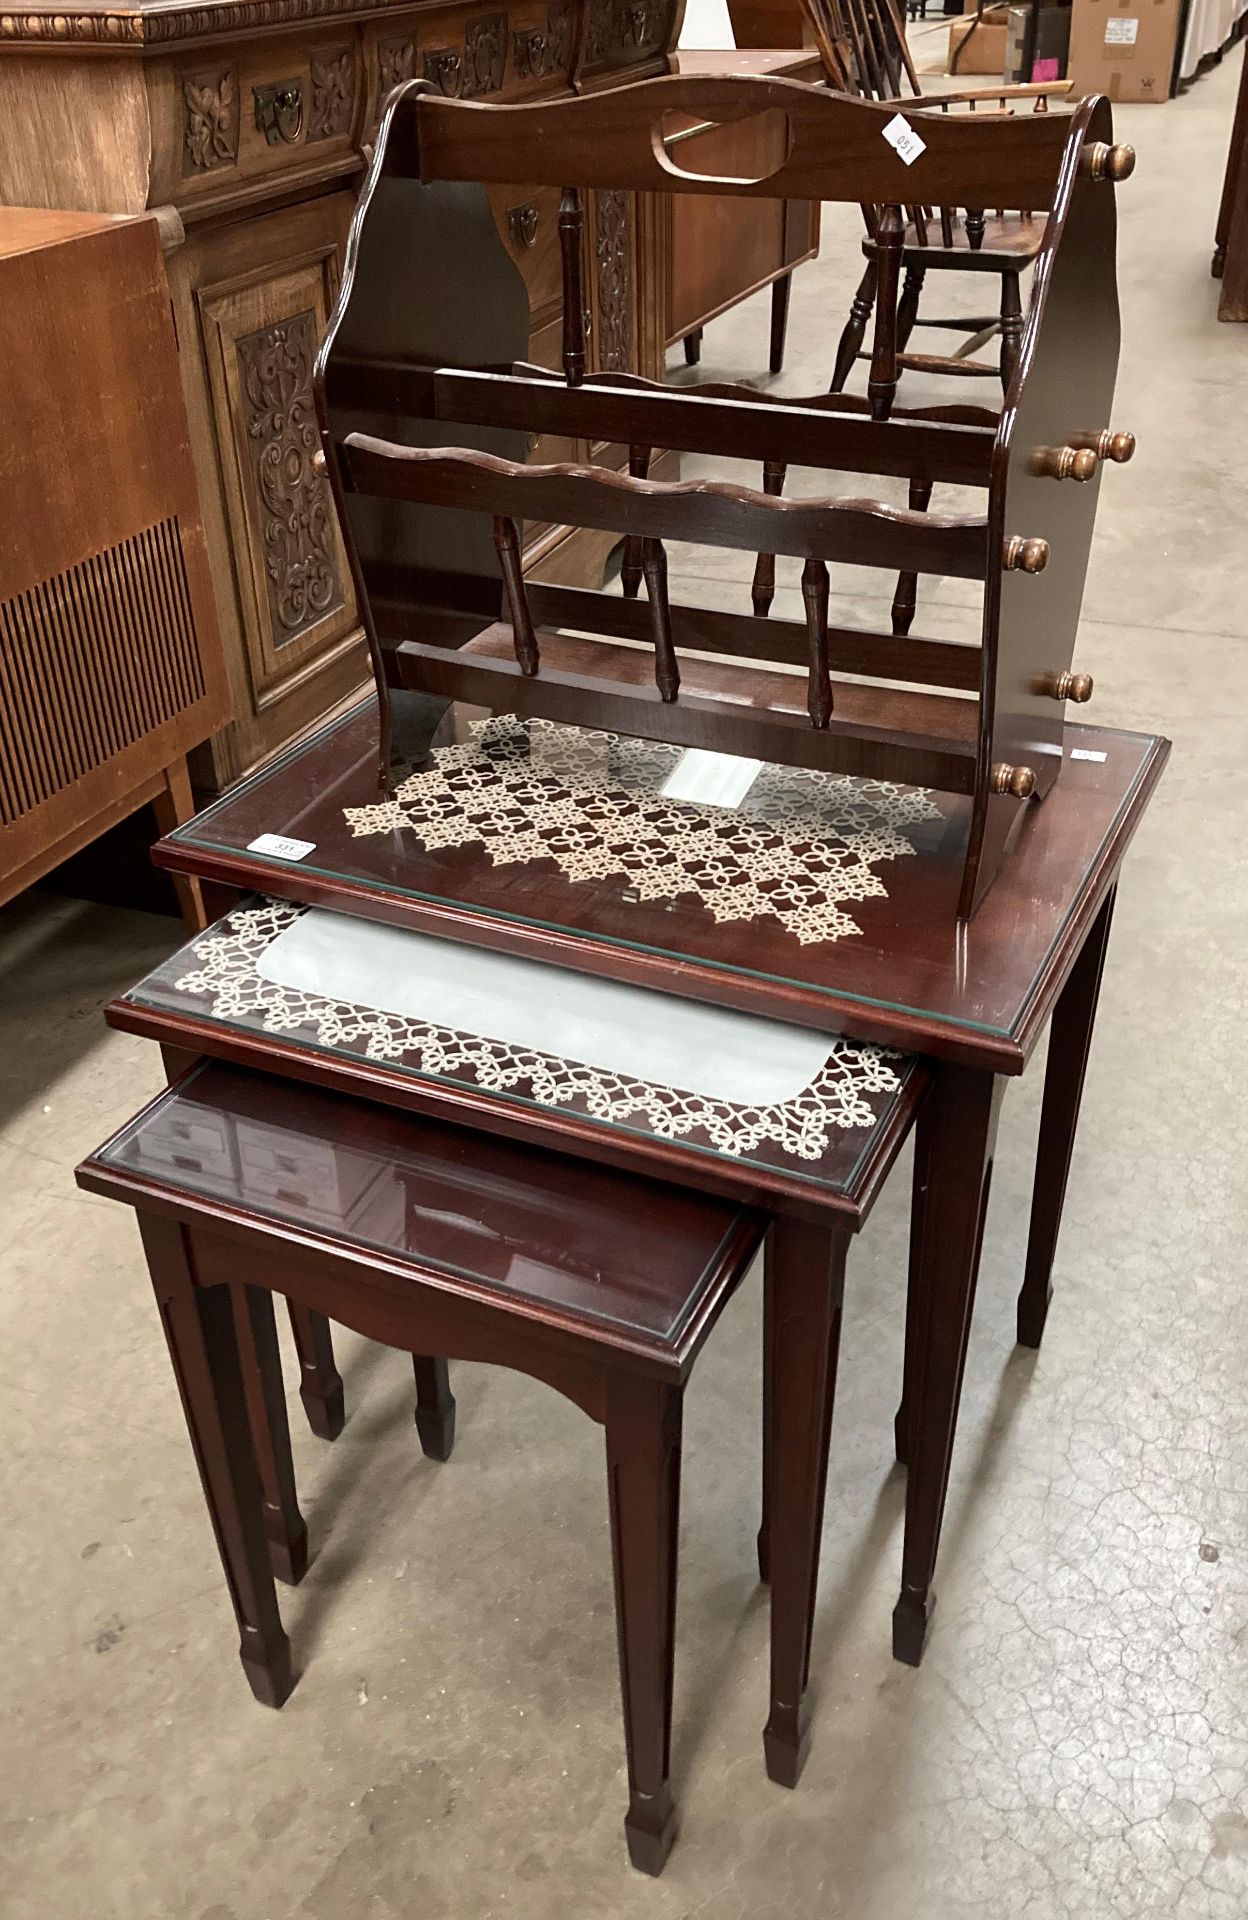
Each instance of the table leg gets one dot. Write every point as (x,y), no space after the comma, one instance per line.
(256,1331)
(1070,1040)
(806,1287)
(320,1383)
(435,1407)
(643,1428)
(918,1209)
(764,1529)
(963,1106)
(199,1329)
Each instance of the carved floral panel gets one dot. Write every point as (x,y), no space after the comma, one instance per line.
(295,517)
(209,120)
(613,266)
(333,94)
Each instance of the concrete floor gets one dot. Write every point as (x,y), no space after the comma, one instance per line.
(1075,1746)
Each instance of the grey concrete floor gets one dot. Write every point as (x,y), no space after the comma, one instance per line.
(1075,1746)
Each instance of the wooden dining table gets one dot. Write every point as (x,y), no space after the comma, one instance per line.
(820,903)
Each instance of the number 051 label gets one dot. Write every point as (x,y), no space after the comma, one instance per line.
(903,139)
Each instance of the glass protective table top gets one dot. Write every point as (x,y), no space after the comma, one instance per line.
(411,1010)
(502,1218)
(826,900)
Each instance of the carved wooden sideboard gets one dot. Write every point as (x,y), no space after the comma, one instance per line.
(243,124)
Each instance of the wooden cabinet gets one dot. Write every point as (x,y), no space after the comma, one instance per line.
(244,125)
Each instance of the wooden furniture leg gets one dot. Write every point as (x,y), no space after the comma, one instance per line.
(320,1383)
(769,1400)
(173,808)
(962,1110)
(435,1407)
(906,598)
(199,1330)
(780,291)
(851,340)
(693,347)
(918,1209)
(908,305)
(807,1287)
(256,1331)
(1070,1040)
(643,1430)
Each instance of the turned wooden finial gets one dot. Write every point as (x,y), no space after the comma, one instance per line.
(320,464)
(1025,556)
(1018,781)
(1067,686)
(1065,463)
(1103,162)
(1117,447)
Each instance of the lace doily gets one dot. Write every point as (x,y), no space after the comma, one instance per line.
(799,845)
(838,1097)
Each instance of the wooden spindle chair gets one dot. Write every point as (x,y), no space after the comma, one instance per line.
(427,407)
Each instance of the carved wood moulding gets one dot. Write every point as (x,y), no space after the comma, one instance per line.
(476,70)
(294,512)
(210,120)
(620,29)
(333,94)
(540,51)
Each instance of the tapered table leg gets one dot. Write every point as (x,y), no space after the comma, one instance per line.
(769,1398)
(962,1116)
(256,1331)
(807,1283)
(320,1383)
(643,1430)
(1070,1040)
(435,1407)
(918,1208)
(199,1329)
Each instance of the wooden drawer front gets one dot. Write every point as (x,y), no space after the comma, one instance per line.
(260,331)
(528,220)
(723,249)
(274,109)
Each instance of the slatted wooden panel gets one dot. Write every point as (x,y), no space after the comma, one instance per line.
(92,661)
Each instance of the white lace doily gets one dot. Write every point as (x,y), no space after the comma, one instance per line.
(805,1127)
(799,845)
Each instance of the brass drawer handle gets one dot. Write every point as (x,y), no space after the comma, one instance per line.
(279,112)
(522,225)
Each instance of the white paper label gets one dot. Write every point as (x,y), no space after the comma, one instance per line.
(1121,32)
(903,139)
(278,847)
(1085,753)
(712,779)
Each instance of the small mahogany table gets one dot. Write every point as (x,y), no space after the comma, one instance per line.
(837,914)
(437,1239)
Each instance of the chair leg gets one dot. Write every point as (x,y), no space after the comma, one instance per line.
(435,1407)
(763,588)
(320,1383)
(908,305)
(199,1330)
(780,291)
(630,564)
(1011,327)
(693,347)
(256,1329)
(173,807)
(906,598)
(855,329)
(807,1288)
(763,1542)
(643,1429)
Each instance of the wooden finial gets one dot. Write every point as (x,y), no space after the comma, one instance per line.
(320,464)
(1025,556)
(1103,162)
(1066,686)
(1019,781)
(1064,463)
(1115,446)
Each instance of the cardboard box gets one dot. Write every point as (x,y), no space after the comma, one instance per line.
(1124,48)
(1050,45)
(977,45)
